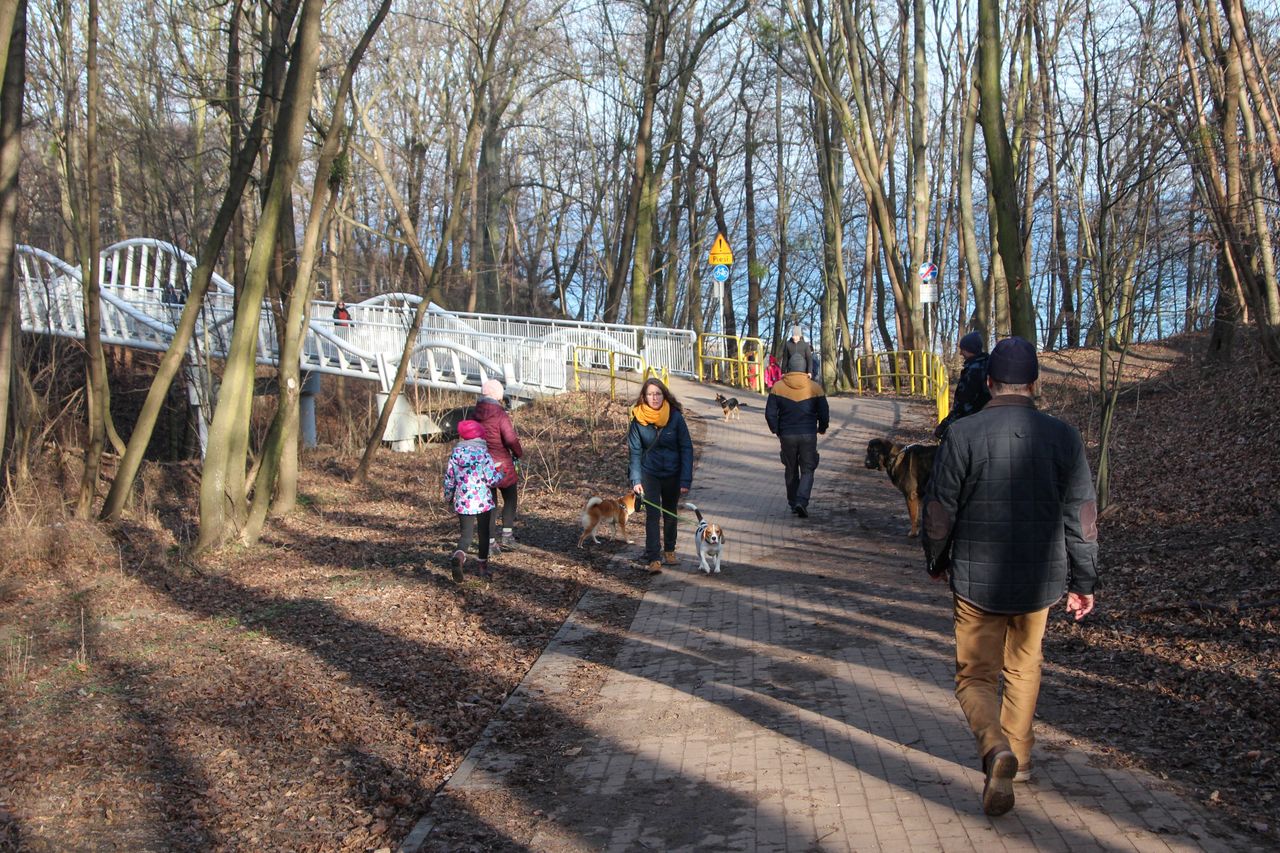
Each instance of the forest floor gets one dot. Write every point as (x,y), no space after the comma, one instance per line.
(313,692)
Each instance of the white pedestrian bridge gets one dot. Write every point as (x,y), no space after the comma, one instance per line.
(144,284)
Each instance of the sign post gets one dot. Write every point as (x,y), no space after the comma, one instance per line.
(928,282)
(720,258)
(721,254)
(928,294)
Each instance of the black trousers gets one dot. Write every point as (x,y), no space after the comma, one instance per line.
(664,491)
(508,506)
(799,454)
(469,524)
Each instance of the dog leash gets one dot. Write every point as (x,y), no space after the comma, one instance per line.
(662,510)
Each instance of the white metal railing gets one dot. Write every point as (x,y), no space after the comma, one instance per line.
(143,290)
(674,350)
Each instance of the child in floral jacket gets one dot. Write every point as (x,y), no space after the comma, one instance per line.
(468,483)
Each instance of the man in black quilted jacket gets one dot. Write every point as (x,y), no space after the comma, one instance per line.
(1011,517)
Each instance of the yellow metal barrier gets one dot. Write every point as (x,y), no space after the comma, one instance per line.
(600,361)
(743,369)
(659,373)
(913,372)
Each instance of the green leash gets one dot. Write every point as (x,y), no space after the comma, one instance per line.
(661,510)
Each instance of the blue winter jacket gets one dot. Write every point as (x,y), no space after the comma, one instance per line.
(796,406)
(662,452)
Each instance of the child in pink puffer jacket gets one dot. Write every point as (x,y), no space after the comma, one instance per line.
(468,483)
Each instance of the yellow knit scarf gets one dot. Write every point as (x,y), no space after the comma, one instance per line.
(652,417)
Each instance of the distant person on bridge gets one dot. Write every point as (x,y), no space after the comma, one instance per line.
(797,354)
(971,389)
(772,373)
(1011,518)
(468,483)
(504,447)
(661,468)
(797,413)
(341,314)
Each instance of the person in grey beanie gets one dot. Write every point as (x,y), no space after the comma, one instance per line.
(797,354)
(971,389)
(1010,519)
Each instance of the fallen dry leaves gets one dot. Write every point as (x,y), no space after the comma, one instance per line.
(1179,669)
(311,693)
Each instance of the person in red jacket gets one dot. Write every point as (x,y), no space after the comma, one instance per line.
(504,447)
(772,373)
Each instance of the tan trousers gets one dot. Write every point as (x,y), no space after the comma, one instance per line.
(988,644)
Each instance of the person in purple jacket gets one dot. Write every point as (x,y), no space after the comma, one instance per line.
(504,447)
(468,481)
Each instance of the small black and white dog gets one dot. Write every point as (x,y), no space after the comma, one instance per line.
(710,539)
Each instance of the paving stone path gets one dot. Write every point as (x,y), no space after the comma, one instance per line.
(802,699)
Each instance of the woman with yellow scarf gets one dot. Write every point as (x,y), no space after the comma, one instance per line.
(661,467)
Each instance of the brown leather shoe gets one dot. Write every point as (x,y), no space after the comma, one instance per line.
(997,791)
(655,567)
(669,558)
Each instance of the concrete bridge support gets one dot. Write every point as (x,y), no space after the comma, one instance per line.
(307,408)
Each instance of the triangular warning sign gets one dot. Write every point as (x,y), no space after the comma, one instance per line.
(720,252)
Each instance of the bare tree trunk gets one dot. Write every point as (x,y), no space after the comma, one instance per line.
(171,362)
(783,214)
(1001,171)
(749,201)
(13,40)
(831,180)
(918,164)
(642,251)
(980,318)
(86,206)
(694,218)
(223,488)
(655,41)
(276,485)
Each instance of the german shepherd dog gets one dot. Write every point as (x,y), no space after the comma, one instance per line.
(908,467)
(730,406)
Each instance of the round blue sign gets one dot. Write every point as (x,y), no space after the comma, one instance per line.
(720,273)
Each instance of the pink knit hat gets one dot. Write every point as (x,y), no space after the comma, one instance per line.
(470,429)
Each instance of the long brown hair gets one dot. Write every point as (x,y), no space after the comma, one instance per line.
(666,394)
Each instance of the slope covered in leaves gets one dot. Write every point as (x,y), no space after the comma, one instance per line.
(308,694)
(1179,670)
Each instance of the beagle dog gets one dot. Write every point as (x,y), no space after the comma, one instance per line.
(710,539)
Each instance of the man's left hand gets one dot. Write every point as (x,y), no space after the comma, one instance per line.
(684,490)
(940,568)
(1079,604)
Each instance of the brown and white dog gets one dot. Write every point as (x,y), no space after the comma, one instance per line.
(600,510)
(710,540)
(908,467)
